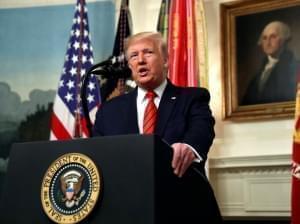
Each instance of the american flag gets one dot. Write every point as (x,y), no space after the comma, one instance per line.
(67,119)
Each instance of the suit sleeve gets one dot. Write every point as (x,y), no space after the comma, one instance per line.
(200,123)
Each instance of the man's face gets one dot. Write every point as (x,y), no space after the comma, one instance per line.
(146,63)
(271,41)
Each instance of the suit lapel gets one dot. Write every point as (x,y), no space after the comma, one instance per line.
(166,106)
(131,112)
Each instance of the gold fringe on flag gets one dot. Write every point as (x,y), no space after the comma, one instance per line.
(201,33)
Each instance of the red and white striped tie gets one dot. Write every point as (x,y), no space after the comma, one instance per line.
(150,114)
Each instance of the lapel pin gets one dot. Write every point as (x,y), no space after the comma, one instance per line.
(173,98)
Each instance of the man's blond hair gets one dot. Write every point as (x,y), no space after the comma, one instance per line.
(283,30)
(157,37)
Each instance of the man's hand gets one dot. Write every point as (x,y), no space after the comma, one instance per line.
(183,157)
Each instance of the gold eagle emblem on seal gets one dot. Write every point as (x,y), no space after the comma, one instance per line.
(70,188)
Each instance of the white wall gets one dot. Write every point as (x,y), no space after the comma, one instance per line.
(144,14)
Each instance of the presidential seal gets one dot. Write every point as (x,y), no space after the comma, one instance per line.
(70,188)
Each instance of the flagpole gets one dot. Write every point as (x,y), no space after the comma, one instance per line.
(78,126)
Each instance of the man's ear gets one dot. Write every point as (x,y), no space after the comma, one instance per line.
(129,65)
(166,64)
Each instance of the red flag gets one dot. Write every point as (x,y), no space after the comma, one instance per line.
(183,61)
(296,163)
(67,119)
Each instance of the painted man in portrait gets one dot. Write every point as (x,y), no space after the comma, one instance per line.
(276,79)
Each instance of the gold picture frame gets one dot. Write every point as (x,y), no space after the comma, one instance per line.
(242,23)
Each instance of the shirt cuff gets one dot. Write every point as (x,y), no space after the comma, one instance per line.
(199,158)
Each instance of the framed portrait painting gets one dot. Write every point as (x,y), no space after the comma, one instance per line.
(260,58)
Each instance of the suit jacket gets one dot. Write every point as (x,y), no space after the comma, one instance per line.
(183,116)
(281,85)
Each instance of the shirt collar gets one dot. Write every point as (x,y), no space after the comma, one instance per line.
(159,91)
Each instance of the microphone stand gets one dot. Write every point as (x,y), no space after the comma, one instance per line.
(84,103)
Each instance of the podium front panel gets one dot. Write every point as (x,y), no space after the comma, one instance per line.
(127,163)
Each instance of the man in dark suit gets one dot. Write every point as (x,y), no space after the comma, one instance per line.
(183,120)
(277,78)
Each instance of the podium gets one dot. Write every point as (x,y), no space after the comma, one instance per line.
(137,179)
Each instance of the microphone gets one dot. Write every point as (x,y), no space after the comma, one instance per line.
(114,61)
